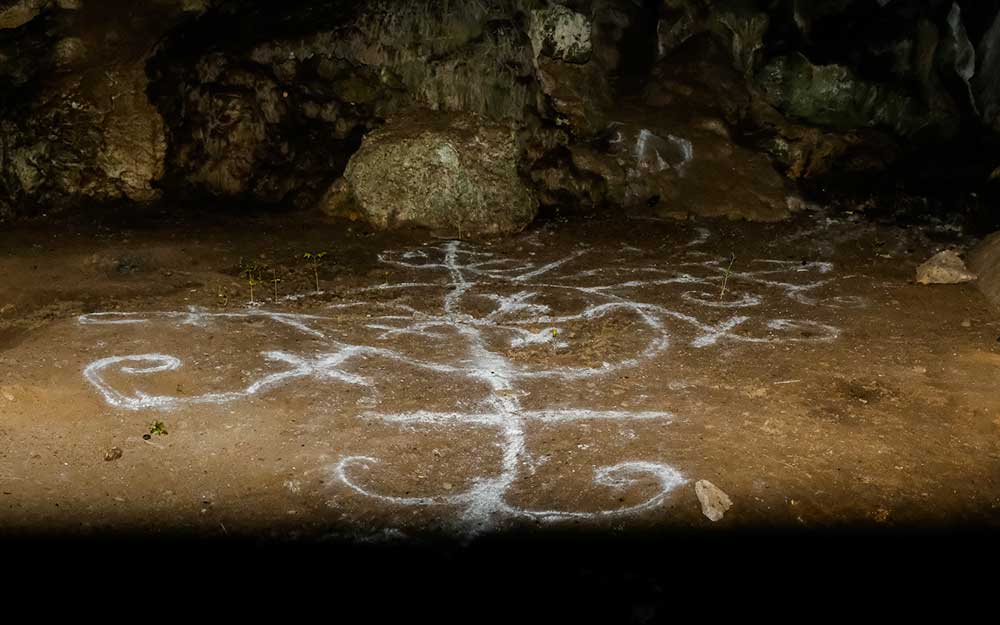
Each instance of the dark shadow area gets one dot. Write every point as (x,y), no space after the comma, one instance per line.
(554,576)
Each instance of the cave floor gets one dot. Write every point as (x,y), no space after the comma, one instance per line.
(580,374)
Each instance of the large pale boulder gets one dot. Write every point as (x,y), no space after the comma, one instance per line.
(451,173)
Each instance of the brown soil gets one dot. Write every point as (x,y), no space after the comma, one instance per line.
(892,422)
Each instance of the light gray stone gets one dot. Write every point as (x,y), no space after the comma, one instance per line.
(560,33)
(453,173)
(714,502)
(945,267)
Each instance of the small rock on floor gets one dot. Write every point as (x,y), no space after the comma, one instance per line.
(113,454)
(714,502)
(946,267)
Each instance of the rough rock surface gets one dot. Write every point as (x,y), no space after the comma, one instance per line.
(561,33)
(455,173)
(87,133)
(945,267)
(738,25)
(984,260)
(17,13)
(834,96)
(278,120)
(266,103)
(714,502)
(986,82)
(700,99)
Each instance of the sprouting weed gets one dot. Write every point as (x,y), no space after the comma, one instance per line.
(252,271)
(315,258)
(274,281)
(727,274)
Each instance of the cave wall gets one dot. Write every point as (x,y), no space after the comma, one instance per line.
(711,107)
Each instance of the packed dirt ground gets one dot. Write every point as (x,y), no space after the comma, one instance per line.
(581,374)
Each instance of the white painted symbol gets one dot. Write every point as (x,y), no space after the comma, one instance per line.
(521,298)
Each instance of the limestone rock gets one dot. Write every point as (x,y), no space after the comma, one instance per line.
(698,96)
(834,96)
(743,28)
(134,147)
(69,53)
(561,33)
(806,152)
(959,51)
(454,173)
(78,128)
(230,132)
(737,24)
(699,76)
(580,179)
(654,160)
(579,94)
(686,166)
(984,260)
(17,13)
(945,267)
(277,119)
(679,21)
(581,75)
(194,6)
(473,58)
(714,502)
(986,82)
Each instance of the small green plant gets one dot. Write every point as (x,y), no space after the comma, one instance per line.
(158,428)
(252,271)
(274,281)
(727,274)
(315,258)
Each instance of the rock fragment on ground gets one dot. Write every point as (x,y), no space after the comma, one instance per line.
(945,267)
(714,502)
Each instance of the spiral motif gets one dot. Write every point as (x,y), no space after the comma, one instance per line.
(158,363)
